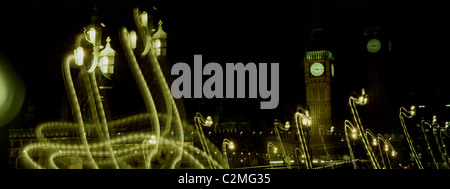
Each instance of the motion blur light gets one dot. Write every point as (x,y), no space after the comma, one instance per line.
(231,146)
(152,140)
(79,56)
(133,39)
(12,92)
(305,121)
(144,19)
(287,125)
(208,121)
(92,34)
(354,133)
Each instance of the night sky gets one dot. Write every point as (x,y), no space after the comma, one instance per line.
(36,35)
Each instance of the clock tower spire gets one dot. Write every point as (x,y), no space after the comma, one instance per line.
(319,71)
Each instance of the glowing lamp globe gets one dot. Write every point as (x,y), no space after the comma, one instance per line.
(144,19)
(94,30)
(107,59)
(160,41)
(133,39)
(79,56)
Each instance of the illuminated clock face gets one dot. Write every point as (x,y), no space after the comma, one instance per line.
(373,45)
(317,69)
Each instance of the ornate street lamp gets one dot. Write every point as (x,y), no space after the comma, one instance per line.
(94,30)
(107,59)
(352,102)
(275,150)
(224,150)
(91,34)
(302,121)
(104,58)
(285,127)
(200,121)
(160,41)
(409,114)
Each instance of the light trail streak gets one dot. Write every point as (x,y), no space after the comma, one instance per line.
(105,150)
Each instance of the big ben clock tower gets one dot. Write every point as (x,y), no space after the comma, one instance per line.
(319,71)
(376,47)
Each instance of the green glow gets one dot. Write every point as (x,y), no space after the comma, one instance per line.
(3,92)
(373,45)
(12,93)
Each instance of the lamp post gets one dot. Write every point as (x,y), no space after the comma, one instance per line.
(93,31)
(362,100)
(144,36)
(224,150)
(386,147)
(277,124)
(303,120)
(440,143)
(443,130)
(299,153)
(376,141)
(349,126)
(160,41)
(428,143)
(148,142)
(409,114)
(107,59)
(87,42)
(275,150)
(76,107)
(328,132)
(200,121)
(91,34)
